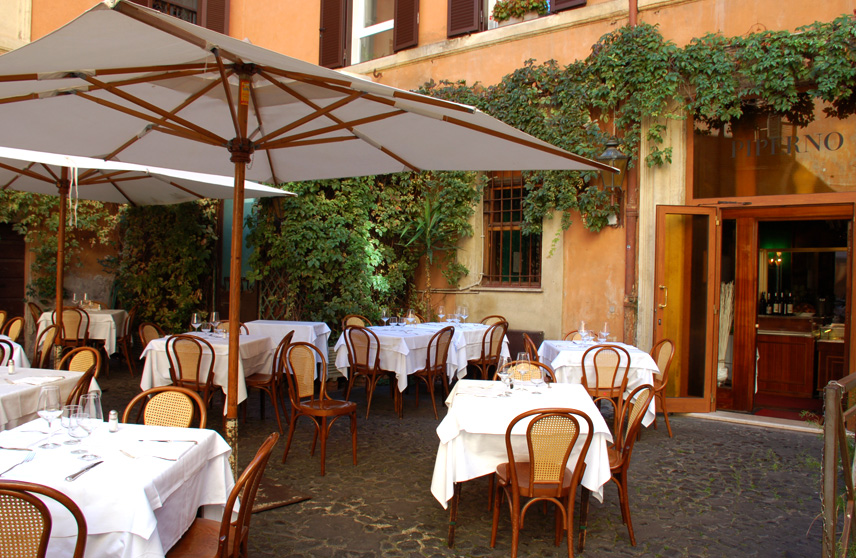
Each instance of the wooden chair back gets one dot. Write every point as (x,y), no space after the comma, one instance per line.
(169,406)
(363,350)
(629,420)
(6,351)
(184,353)
(573,335)
(601,365)
(2,319)
(299,360)
(35,312)
(149,331)
(26,526)
(13,328)
(493,319)
(438,350)
(75,326)
(662,353)
(81,359)
(525,371)
(224,326)
(43,348)
(355,320)
(127,327)
(531,348)
(492,342)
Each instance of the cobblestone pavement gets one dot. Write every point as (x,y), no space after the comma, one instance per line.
(714,490)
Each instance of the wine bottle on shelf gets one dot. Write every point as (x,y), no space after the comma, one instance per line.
(777,304)
(789,308)
(769,306)
(762,304)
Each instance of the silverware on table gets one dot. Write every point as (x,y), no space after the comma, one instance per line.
(76,475)
(28,458)
(170,441)
(15,449)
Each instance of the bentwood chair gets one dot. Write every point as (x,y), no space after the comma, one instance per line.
(148,331)
(493,319)
(168,406)
(573,335)
(662,354)
(524,371)
(224,326)
(271,383)
(43,348)
(2,319)
(364,361)
(631,413)
(75,327)
(228,538)
(125,340)
(491,346)
(435,365)
(355,320)
(531,348)
(604,366)
(321,409)
(6,351)
(35,312)
(184,353)
(26,526)
(13,328)
(81,359)
(544,475)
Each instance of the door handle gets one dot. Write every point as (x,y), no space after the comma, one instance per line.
(665,296)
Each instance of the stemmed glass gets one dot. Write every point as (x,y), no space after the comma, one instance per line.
(603,335)
(505,376)
(81,428)
(215,320)
(49,409)
(537,380)
(195,322)
(384,315)
(410,317)
(463,312)
(441,312)
(68,420)
(90,403)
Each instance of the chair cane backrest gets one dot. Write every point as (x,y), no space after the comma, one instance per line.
(14,327)
(551,436)
(81,359)
(493,319)
(531,348)
(169,406)
(6,351)
(573,335)
(629,419)
(2,319)
(35,311)
(184,353)
(224,326)
(603,364)
(355,320)
(299,360)
(662,354)
(438,350)
(149,331)
(129,322)
(363,349)
(492,341)
(279,353)
(75,325)
(524,371)
(26,526)
(44,347)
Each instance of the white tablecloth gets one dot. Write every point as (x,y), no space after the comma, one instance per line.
(256,356)
(317,333)
(473,335)
(18,353)
(404,350)
(103,324)
(134,507)
(472,434)
(19,393)
(566,359)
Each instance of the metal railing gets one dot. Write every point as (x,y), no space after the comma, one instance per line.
(836,418)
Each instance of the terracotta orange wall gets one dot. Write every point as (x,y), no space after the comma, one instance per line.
(48,15)
(286,27)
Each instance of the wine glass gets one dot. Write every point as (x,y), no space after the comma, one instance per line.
(206,327)
(384,315)
(77,431)
(195,321)
(441,312)
(215,320)
(68,420)
(603,335)
(90,403)
(463,312)
(505,376)
(49,409)
(537,379)
(410,316)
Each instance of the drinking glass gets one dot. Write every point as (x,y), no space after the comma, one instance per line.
(384,315)
(537,381)
(206,327)
(410,316)
(195,321)
(77,431)
(90,403)
(68,421)
(215,319)
(441,312)
(463,312)
(602,336)
(523,356)
(505,376)
(49,409)
(393,320)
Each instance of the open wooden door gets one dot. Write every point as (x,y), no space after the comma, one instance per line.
(686,302)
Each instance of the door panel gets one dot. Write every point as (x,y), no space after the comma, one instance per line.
(685,309)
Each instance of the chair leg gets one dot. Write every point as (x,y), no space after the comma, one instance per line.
(584,505)
(292,422)
(261,404)
(354,436)
(497,500)
(126,350)
(662,398)
(371,382)
(275,407)
(324,427)
(431,393)
(625,505)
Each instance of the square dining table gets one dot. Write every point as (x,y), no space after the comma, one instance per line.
(105,325)
(256,356)
(566,357)
(19,392)
(141,499)
(316,333)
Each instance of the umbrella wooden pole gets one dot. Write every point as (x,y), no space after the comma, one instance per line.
(63,187)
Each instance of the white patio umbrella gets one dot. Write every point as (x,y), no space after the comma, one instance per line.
(109,181)
(127,83)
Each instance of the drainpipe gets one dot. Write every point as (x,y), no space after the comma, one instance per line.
(631,215)
(633,12)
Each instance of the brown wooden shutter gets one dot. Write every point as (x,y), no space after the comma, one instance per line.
(464,17)
(559,5)
(405,34)
(333,33)
(146,3)
(215,15)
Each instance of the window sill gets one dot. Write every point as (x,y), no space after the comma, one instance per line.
(488,289)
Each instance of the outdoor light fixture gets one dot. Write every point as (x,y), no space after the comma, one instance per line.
(613,181)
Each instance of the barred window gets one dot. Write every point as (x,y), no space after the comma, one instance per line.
(182,9)
(512,259)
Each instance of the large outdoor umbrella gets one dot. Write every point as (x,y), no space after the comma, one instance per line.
(123,82)
(109,181)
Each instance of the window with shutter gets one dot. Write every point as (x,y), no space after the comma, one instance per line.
(333,33)
(406,30)
(464,17)
(213,14)
(559,5)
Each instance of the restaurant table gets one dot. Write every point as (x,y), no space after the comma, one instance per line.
(317,333)
(141,499)
(18,353)
(565,357)
(473,335)
(103,324)
(472,434)
(256,356)
(19,393)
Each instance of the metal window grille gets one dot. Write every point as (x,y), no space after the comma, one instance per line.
(512,259)
(175,9)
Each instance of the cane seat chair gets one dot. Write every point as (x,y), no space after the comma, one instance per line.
(224,326)
(43,347)
(7,349)
(545,474)
(168,406)
(13,328)
(531,348)
(186,366)
(631,413)
(2,319)
(26,526)
(75,327)
(491,347)
(320,408)
(125,340)
(524,371)
(364,361)
(228,538)
(355,320)
(435,365)
(148,331)
(573,335)
(35,312)
(81,359)
(271,383)
(662,354)
(605,369)
(493,319)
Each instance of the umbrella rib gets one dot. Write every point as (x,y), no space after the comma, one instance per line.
(261,129)
(228,91)
(319,112)
(279,144)
(124,195)
(27,172)
(284,142)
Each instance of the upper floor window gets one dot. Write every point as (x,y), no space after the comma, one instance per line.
(512,259)
(472,16)
(354,31)
(212,14)
(182,9)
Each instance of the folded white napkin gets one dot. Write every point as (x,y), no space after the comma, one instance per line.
(171,450)
(36,380)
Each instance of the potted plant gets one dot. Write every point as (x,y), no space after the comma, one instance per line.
(511,10)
